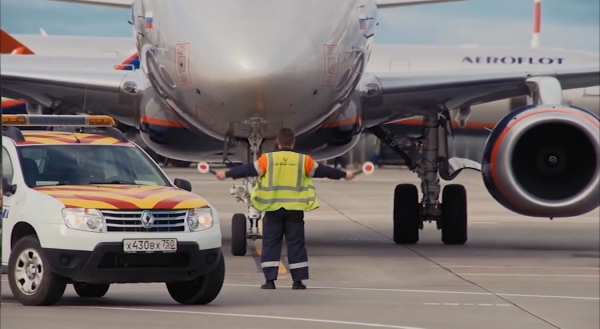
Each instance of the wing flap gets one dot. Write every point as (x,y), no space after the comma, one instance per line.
(390,95)
(59,84)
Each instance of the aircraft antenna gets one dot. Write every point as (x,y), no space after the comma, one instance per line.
(537,23)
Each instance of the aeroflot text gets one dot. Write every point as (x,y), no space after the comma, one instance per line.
(512,60)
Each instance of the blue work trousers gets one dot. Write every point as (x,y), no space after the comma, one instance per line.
(276,225)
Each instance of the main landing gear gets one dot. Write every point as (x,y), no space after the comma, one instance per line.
(409,213)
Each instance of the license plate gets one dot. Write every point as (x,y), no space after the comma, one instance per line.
(149,245)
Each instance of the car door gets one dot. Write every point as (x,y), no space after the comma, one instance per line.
(10,202)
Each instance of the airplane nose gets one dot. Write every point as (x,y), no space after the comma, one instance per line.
(243,52)
(247,62)
(248,69)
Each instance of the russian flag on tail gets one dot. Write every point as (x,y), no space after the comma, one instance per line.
(362,21)
(149,20)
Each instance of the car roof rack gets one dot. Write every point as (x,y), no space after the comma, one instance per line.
(92,124)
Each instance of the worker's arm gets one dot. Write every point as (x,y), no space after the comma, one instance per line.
(315,170)
(257,168)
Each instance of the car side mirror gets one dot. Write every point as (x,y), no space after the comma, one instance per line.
(8,189)
(183,184)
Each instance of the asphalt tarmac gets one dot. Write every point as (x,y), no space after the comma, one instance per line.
(514,272)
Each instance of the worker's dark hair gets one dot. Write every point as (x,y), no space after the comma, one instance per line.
(286,137)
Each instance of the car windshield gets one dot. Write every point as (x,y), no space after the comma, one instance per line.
(48,165)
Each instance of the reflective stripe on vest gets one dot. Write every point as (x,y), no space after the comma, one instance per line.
(285,187)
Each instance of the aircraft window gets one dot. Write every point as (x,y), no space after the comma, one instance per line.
(7,167)
(87,164)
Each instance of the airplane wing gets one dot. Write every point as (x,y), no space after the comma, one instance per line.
(65,84)
(391,95)
(403,3)
(380,3)
(104,3)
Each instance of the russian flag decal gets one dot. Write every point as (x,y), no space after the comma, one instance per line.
(149,20)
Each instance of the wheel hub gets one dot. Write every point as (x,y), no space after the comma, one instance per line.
(31,271)
(28,271)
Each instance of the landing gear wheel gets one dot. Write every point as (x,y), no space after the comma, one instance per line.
(202,290)
(31,281)
(180,163)
(406,214)
(454,214)
(90,290)
(238,235)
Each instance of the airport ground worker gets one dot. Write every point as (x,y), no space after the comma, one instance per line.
(284,192)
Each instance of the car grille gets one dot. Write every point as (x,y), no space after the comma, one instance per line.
(130,220)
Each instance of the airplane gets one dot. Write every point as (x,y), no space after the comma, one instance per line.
(228,74)
(481,118)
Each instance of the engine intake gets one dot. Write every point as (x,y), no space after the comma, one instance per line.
(542,161)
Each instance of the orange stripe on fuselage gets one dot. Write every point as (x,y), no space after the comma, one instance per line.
(161,122)
(11,103)
(470,125)
(334,124)
(496,148)
(407,122)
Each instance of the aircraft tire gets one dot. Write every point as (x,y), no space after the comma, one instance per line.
(180,163)
(202,290)
(406,214)
(238,235)
(454,214)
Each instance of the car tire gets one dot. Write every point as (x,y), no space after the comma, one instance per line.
(28,286)
(203,290)
(90,290)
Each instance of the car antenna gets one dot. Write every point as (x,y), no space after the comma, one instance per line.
(84,103)
(73,133)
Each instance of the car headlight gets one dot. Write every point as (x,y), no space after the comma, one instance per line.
(82,219)
(200,219)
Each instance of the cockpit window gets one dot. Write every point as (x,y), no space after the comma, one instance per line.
(49,165)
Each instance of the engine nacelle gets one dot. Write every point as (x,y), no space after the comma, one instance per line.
(542,161)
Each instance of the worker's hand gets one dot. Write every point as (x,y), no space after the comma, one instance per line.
(349,175)
(220,174)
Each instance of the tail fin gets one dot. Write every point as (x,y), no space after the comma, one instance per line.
(130,64)
(10,45)
(537,23)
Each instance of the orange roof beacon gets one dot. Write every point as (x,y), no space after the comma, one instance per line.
(90,207)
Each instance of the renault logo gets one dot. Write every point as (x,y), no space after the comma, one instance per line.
(147,219)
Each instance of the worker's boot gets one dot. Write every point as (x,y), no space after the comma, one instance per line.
(298,285)
(270,284)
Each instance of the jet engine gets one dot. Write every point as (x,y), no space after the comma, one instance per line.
(542,161)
